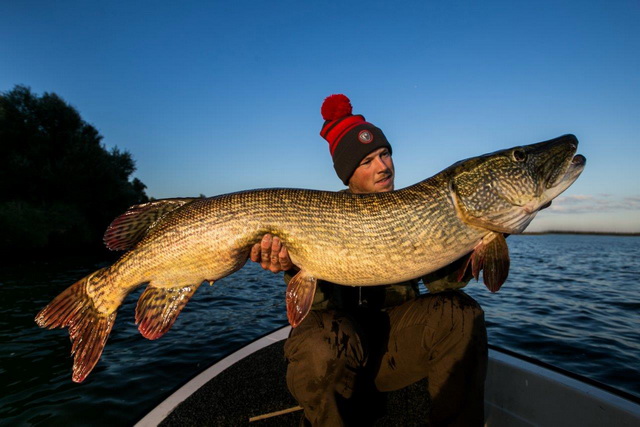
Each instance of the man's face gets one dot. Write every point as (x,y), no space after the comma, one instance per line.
(375,173)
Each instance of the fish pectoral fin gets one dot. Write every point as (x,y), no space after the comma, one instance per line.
(88,327)
(158,308)
(300,292)
(492,257)
(462,272)
(130,227)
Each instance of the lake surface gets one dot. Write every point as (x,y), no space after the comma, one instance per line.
(571,300)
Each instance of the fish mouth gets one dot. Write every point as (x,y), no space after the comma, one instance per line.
(572,172)
(564,146)
(562,182)
(579,160)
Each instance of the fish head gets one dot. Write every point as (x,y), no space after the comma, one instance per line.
(503,191)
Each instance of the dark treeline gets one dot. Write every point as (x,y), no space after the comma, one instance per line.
(59,187)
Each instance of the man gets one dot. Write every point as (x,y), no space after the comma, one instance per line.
(357,342)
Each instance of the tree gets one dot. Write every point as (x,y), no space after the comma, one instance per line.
(59,186)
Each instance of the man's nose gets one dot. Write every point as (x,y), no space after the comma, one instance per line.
(381,164)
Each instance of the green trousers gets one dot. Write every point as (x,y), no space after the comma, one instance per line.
(339,362)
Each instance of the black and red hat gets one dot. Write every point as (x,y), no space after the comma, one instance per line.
(351,138)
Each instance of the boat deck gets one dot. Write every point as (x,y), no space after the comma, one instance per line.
(241,392)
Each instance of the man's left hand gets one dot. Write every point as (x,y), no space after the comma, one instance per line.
(271,254)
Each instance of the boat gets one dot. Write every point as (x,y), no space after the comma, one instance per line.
(248,387)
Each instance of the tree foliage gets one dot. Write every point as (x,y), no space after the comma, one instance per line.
(59,186)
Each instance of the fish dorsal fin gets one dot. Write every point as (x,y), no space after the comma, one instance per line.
(130,227)
(492,257)
(300,292)
(158,308)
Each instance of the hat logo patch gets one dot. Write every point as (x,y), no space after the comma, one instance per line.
(365,136)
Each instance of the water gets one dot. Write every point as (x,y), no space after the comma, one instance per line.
(570,300)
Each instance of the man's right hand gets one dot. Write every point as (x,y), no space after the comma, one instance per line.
(271,254)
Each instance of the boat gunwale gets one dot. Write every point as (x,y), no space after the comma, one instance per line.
(162,411)
(572,375)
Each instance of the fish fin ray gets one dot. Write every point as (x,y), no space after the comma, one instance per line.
(477,260)
(495,263)
(158,308)
(130,227)
(89,329)
(465,262)
(300,293)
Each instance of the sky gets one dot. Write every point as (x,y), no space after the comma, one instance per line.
(213,97)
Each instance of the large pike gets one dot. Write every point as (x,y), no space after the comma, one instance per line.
(174,245)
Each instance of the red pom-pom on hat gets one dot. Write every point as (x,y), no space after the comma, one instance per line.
(335,107)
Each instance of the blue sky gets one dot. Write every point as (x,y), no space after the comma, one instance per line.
(214,97)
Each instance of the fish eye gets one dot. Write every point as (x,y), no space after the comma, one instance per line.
(519,155)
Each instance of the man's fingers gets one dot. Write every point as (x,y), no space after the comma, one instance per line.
(255,253)
(285,261)
(275,268)
(276,245)
(271,254)
(265,247)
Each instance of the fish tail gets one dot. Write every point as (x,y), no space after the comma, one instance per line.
(88,327)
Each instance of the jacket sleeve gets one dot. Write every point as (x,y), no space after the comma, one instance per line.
(448,277)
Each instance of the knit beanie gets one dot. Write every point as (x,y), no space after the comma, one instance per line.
(351,138)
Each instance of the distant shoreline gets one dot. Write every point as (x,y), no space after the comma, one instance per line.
(594,233)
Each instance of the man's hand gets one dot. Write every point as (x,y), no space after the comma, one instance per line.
(271,254)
